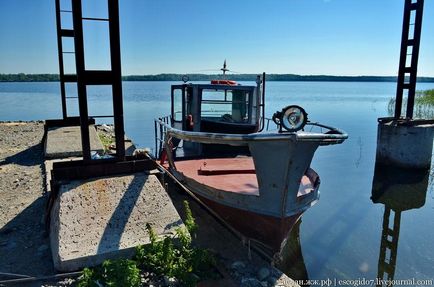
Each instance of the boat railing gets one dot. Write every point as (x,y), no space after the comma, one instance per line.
(266,125)
(325,135)
(270,125)
(160,127)
(161,124)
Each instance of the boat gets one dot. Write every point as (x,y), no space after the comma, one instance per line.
(252,172)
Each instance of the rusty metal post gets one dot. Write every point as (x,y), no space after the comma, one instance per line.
(81,78)
(410,42)
(60,52)
(115,55)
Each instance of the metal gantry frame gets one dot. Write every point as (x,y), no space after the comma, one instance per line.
(85,77)
(409,56)
(64,171)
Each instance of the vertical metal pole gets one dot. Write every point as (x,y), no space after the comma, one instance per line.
(81,84)
(60,52)
(156,139)
(263,100)
(415,57)
(402,58)
(115,54)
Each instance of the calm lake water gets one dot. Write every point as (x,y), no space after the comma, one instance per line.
(340,236)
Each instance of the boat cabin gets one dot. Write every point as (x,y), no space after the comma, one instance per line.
(219,107)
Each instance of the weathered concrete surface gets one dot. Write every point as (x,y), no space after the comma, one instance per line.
(49,167)
(64,142)
(408,146)
(105,218)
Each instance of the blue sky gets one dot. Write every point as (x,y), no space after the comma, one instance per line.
(335,37)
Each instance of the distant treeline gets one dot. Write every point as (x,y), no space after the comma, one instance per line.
(29,77)
(205,77)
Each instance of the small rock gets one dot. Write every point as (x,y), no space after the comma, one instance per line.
(263,273)
(169,281)
(238,265)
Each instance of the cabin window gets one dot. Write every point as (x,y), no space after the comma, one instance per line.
(225,105)
(177,105)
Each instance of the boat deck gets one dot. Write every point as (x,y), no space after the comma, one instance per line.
(230,174)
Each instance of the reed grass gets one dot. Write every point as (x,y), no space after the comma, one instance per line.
(423,105)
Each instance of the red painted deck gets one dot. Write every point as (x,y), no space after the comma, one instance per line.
(237,175)
(229,174)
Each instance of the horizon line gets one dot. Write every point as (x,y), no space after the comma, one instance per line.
(235,74)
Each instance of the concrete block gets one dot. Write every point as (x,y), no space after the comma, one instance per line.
(62,142)
(106,218)
(405,145)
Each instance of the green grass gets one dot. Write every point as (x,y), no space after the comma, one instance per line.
(174,257)
(120,272)
(423,105)
(425,97)
(106,140)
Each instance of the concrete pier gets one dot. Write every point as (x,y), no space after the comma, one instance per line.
(406,144)
(65,142)
(105,218)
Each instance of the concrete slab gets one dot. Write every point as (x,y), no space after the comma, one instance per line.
(48,164)
(130,147)
(64,142)
(106,218)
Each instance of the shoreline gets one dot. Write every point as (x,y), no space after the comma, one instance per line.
(22,78)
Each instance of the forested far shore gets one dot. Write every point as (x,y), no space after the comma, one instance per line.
(207,77)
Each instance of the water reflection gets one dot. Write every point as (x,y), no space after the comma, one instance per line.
(290,258)
(399,190)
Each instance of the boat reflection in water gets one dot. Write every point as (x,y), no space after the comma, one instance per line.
(399,190)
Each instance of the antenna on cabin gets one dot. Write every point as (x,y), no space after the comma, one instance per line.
(224,69)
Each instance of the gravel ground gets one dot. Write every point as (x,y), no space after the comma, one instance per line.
(24,246)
